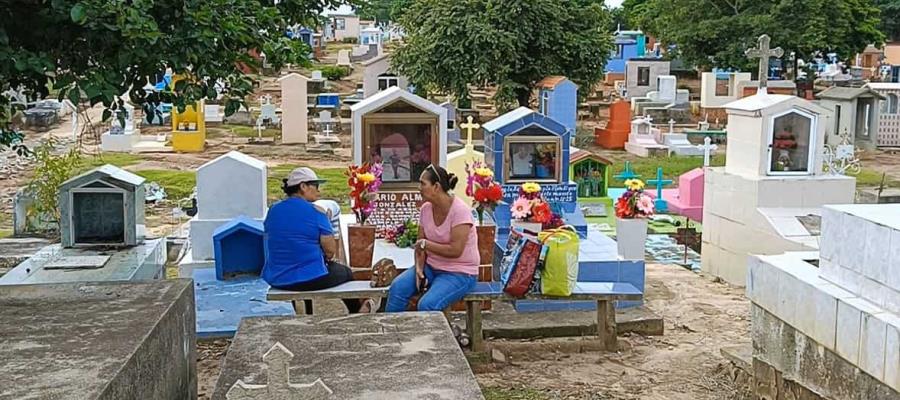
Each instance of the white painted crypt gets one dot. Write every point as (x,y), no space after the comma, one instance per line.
(769,196)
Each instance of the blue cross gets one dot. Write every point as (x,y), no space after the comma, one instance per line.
(660,203)
(627,174)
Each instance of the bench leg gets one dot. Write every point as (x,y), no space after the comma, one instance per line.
(606,324)
(473,325)
(302,307)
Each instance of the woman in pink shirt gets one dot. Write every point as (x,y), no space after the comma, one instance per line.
(446,252)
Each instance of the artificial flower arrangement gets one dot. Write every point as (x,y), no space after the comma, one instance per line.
(481,187)
(403,235)
(530,206)
(364,182)
(634,203)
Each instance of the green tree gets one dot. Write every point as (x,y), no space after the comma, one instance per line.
(97,49)
(890,18)
(715,33)
(379,10)
(509,43)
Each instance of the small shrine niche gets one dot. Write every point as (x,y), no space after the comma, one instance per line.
(533,155)
(591,173)
(102,207)
(402,131)
(791,142)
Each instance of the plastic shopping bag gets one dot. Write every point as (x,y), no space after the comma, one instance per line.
(560,272)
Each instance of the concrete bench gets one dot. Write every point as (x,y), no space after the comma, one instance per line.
(604,293)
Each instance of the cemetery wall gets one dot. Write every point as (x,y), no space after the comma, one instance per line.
(825,338)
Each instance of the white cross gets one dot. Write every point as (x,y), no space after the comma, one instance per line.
(469,126)
(671,126)
(763,53)
(708,147)
(279,386)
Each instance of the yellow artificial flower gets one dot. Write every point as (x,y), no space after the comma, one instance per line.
(634,184)
(531,187)
(366,177)
(484,171)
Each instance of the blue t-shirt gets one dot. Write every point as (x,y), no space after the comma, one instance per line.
(293,251)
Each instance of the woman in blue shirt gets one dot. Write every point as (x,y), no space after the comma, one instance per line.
(300,244)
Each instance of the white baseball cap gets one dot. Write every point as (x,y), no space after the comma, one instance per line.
(303,175)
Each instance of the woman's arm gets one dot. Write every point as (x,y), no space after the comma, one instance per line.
(459,235)
(329,246)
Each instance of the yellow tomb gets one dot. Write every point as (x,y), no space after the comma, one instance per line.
(457,160)
(189,129)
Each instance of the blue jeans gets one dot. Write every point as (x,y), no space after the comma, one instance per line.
(444,288)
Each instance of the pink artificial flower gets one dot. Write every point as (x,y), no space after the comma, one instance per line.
(521,208)
(645,204)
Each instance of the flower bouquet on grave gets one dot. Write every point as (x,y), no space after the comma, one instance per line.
(486,194)
(403,235)
(531,211)
(364,182)
(632,211)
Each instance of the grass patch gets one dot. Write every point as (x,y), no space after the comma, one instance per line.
(178,184)
(118,159)
(335,188)
(495,393)
(872,178)
(250,131)
(672,167)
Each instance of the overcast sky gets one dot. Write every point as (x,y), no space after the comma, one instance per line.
(613,3)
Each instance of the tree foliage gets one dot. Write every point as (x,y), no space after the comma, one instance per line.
(98,49)
(509,43)
(890,18)
(715,33)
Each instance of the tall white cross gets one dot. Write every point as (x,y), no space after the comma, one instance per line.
(708,147)
(469,126)
(279,386)
(763,53)
(671,126)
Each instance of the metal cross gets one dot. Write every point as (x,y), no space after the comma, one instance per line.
(279,386)
(763,52)
(660,203)
(469,126)
(627,174)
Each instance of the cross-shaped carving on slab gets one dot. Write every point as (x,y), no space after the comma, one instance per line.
(279,386)
(469,126)
(763,52)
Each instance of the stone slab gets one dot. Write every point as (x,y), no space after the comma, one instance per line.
(78,262)
(98,340)
(371,356)
(222,304)
(142,262)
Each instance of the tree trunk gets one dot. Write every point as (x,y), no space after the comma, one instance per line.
(524,96)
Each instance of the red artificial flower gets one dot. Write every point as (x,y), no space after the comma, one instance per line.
(488,195)
(541,212)
(623,208)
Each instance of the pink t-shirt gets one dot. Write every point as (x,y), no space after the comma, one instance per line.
(459,214)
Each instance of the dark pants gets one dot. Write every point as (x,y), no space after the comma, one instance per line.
(337,274)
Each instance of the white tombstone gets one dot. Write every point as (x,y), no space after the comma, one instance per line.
(211,113)
(268,113)
(120,138)
(668,85)
(326,129)
(278,383)
(229,186)
(294,111)
(644,139)
(343,59)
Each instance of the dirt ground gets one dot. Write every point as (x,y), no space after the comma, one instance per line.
(701,316)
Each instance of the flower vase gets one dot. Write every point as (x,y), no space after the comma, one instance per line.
(487,235)
(631,236)
(361,239)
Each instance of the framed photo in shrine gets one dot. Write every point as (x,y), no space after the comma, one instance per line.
(532,159)
(404,143)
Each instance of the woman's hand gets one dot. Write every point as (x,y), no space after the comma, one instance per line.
(420,276)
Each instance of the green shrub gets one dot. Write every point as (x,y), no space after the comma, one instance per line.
(350,40)
(335,73)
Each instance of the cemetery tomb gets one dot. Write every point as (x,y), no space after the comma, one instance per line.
(615,134)
(405,133)
(238,247)
(720,88)
(453,132)
(591,174)
(855,112)
(380,356)
(773,178)
(687,199)
(666,103)
(295,113)
(626,47)
(343,59)
(678,143)
(641,74)
(378,76)
(99,340)
(211,113)
(104,207)
(832,328)
(121,137)
(457,160)
(189,129)
(645,140)
(558,99)
(215,182)
(888,132)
